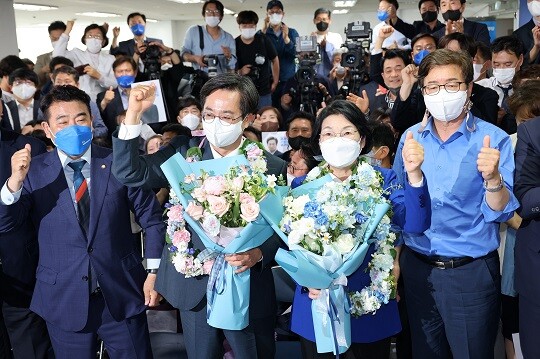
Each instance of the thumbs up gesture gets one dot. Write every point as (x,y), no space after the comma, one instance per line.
(488,161)
(20,164)
(413,157)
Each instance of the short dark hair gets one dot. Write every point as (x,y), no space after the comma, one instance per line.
(300,114)
(382,136)
(396,54)
(249,97)
(436,2)
(322,10)
(56,25)
(423,35)
(272,139)
(66,93)
(392,2)
(247,17)
(466,42)
(526,98)
(9,64)
(510,44)
(68,70)
(307,153)
(484,50)
(177,128)
(352,113)
(123,59)
(23,74)
(93,27)
(60,60)
(184,102)
(219,6)
(133,14)
(256,132)
(531,72)
(443,57)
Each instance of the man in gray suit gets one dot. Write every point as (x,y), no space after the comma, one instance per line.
(229,105)
(42,69)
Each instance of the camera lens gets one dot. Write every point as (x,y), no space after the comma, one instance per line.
(350,59)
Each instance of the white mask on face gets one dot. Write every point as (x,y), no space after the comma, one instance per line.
(446,106)
(275,19)
(24,91)
(248,34)
(534,7)
(191,121)
(212,21)
(93,45)
(220,135)
(290,178)
(166,66)
(340,152)
(477,68)
(370,156)
(504,76)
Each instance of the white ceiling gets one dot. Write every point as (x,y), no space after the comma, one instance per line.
(168,10)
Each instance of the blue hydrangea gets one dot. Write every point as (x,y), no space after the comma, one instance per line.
(312,209)
(360,218)
(321,220)
(173,249)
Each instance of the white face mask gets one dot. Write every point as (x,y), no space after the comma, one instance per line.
(212,21)
(248,34)
(191,121)
(446,106)
(166,66)
(24,91)
(290,178)
(534,8)
(370,156)
(340,152)
(477,68)
(93,45)
(504,76)
(275,19)
(220,135)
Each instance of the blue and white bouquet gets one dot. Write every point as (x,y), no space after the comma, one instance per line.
(328,227)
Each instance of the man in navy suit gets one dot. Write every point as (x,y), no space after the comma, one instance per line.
(137,24)
(90,280)
(230,102)
(452,12)
(19,258)
(527,257)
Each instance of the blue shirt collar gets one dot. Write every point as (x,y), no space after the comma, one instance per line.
(467,126)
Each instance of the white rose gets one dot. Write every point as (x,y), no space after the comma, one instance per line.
(295,237)
(345,243)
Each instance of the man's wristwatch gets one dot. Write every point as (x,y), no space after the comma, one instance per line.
(494,189)
(152,271)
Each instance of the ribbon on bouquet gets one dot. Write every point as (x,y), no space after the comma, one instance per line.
(216,282)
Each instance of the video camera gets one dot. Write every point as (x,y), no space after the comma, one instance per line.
(358,39)
(307,50)
(150,58)
(212,62)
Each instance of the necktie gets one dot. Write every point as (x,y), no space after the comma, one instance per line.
(506,92)
(82,197)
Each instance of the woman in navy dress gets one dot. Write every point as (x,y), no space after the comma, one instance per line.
(341,135)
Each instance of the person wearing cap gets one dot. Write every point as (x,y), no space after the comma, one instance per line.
(429,11)
(452,12)
(284,40)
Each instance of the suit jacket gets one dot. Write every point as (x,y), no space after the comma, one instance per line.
(182,293)
(421,27)
(42,61)
(477,30)
(524,33)
(526,189)
(62,292)
(19,247)
(12,105)
(128,46)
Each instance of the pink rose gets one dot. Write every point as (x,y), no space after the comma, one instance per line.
(175,213)
(253,152)
(238,183)
(218,205)
(214,185)
(195,211)
(207,266)
(249,211)
(181,236)
(246,198)
(199,194)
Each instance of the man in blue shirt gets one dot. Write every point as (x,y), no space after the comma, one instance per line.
(451,271)
(284,40)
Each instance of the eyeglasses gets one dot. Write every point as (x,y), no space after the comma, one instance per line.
(278,12)
(294,169)
(212,12)
(450,87)
(427,47)
(20,82)
(325,135)
(97,37)
(224,120)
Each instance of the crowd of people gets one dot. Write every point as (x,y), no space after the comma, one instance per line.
(446,115)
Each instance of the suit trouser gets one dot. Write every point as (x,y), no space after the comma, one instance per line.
(529,327)
(127,339)
(27,333)
(452,312)
(206,342)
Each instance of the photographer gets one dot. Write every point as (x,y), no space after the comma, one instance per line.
(210,48)
(255,55)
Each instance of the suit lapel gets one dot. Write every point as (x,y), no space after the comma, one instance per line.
(100,171)
(207,151)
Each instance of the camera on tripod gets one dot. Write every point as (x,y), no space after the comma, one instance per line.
(358,38)
(150,58)
(212,62)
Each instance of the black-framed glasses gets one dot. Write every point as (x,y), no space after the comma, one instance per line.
(224,120)
(294,169)
(450,87)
